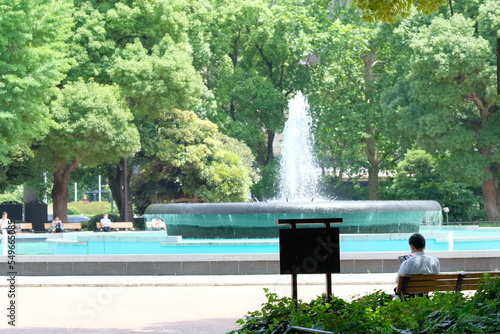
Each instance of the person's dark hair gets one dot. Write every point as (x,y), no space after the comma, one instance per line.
(417,240)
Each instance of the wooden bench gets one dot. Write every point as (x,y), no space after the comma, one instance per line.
(26,226)
(149,226)
(72,226)
(413,284)
(126,226)
(67,227)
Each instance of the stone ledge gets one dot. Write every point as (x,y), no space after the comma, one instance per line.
(227,264)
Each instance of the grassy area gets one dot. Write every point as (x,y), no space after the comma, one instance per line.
(89,209)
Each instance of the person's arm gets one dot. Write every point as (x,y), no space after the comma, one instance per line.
(403,270)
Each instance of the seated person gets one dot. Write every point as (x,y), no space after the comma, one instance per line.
(57,225)
(156,224)
(419,263)
(106,223)
(4,223)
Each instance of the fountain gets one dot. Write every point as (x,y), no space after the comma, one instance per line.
(298,192)
(298,168)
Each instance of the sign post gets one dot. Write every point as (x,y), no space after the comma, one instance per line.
(309,250)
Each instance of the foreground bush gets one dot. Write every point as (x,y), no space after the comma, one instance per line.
(378,313)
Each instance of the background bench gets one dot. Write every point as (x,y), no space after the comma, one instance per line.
(67,226)
(23,227)
(126,226)
(411,284)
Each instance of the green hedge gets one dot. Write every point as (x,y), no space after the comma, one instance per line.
(378,313)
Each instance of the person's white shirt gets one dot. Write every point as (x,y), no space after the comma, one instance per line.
(105,221)
(55,222)
(4,224)
(419,264)
(156,223)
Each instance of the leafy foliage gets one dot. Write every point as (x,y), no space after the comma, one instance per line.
(417,177)
(458,122)
(378,313)
(185,156)
(389,11)
(32,62)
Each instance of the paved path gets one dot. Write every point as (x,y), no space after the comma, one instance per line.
(158,304)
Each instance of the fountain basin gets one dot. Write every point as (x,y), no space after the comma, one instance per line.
(258,220)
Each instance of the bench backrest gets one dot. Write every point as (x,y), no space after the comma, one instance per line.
(72,226)
(26,226)
(440,282)
(68,226)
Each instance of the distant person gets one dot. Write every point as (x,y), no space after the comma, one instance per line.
(57,225)
(419,263)
(105,223)
(4,223)
(156,224)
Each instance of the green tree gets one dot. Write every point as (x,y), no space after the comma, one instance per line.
(417,177)
(390,11)
(187,159)
(32,62)
(353,133)
(92,126)
(447,100)
(143,47)
(259,59)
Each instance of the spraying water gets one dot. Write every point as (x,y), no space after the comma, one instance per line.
(299,170)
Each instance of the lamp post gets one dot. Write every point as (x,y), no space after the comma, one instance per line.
(446,210)
(125,190)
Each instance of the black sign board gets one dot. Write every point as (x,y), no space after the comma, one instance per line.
(309,251)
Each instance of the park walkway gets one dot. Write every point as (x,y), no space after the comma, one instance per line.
(159,304)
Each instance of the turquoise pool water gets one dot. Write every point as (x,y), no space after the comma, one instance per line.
(137,243)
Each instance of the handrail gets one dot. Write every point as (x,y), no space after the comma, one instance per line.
(495,222)
(310,330)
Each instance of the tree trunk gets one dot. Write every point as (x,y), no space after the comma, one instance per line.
(373,170)
(491,199)
(60,191)
(371,148)
(270,149)
(116,177)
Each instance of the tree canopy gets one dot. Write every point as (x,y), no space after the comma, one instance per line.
(33,61)
(92,126)
(198,92)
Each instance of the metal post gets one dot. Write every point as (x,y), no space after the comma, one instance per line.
(125,190)
(295,295)
(328,273)
(99,187)
(45,188)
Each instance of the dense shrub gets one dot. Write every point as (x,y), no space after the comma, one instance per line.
(378,313)
(139,223)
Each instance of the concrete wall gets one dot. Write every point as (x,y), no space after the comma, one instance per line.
(220,264)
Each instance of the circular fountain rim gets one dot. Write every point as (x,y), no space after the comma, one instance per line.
(292,207)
